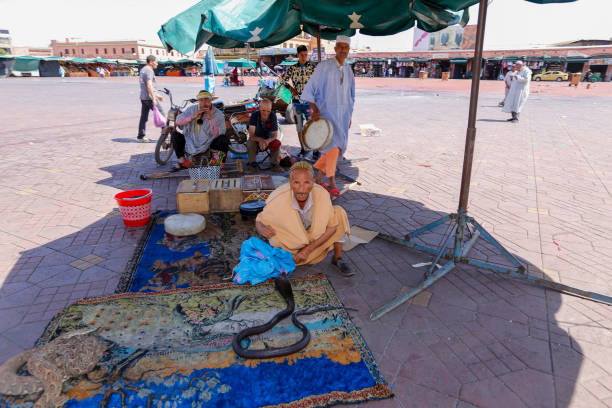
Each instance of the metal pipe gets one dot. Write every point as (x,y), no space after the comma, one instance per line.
(319,42)
(470,138)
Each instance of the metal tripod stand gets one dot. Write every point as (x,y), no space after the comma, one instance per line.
(460,221)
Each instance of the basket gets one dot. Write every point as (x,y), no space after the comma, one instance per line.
(135,207)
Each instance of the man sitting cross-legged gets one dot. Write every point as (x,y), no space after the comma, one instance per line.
(263,134)
(299,217)
(203,127)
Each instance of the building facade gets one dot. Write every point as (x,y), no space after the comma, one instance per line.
(459,62)
(6,45)
(129,49)
(33,51)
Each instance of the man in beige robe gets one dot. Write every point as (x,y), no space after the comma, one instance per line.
(299,218)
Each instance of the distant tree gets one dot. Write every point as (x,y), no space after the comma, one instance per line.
(3,51)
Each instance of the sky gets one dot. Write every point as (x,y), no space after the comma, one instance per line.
(510,23)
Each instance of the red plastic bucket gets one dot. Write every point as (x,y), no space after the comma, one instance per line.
(135,206)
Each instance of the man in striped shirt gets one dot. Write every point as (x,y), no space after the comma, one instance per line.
(299,74)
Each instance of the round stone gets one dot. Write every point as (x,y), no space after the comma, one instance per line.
(184,224)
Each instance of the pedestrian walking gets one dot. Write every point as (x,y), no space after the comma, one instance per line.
(507,82)
(148,97)
(519,91)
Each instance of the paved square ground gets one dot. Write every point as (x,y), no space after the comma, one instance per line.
(542,187)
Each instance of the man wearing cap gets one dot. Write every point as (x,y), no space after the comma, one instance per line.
(203,128)
(519,91)
(331,95)
(299,217)
(299,74)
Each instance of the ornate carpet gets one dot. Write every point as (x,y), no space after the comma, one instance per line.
(163,262)
(173,349)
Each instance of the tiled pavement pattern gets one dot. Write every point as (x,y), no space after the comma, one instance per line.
(541,187)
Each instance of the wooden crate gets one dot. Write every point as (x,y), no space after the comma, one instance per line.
(193,197)
(225,195)
(256,186)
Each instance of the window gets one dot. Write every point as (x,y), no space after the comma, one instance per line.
(172,53)
(82,51)
(123,50)
(156,52)
(142,51)
(73,51)
(96,51)
(114,50)
(133,50)
(67,51)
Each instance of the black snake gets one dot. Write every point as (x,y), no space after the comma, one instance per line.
(283,285)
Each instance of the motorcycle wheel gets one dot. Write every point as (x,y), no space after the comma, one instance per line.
(163,149)
(237,143)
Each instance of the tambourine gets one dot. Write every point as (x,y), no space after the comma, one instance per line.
(318,134)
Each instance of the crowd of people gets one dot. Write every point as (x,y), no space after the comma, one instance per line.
(329,90)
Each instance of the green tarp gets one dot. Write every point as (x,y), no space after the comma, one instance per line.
(288,63)
(24,64)
(241,63)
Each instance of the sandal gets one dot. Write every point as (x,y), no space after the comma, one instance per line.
(334,193)
(179,167)
(343,268)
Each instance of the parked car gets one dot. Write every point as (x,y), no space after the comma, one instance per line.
(551,76)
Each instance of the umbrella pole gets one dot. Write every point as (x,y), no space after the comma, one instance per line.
(319,43)
(460,222)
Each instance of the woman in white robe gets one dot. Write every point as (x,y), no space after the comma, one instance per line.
(519,91)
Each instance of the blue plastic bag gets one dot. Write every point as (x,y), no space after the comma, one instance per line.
(259,262)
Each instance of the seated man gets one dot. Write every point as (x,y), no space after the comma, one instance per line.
(263,133)
(203,128)
(299,217)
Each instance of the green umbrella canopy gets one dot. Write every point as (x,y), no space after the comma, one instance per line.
(288,63)
(262,23)
(241,63)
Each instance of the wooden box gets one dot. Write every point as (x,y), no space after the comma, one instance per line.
(225,195)
(257,185)
(193,197)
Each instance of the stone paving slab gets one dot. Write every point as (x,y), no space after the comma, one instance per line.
(540,186)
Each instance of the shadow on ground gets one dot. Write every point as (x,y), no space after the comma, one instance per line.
(473,338)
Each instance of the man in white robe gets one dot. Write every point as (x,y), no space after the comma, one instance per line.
(519,91)
(507,82)
(330,91)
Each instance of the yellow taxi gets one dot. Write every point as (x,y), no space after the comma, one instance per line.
(551,76)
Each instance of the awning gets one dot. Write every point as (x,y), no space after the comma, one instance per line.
(26,64)
(284,63)
(577,60)
(241,63)
(278,51)
(459,61)
(81,60)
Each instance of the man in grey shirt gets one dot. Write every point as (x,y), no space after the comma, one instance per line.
(203,128)
(148,97)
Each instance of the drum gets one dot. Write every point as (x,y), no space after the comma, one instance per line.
(318,135)
(182,225)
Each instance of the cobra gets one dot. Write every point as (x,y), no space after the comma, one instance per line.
(283,285)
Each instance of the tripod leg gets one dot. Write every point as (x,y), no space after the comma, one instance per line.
(413,292)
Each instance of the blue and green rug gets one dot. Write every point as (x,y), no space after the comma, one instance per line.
(173,349)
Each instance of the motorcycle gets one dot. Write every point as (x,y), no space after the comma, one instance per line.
(236,121)
(164,148)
